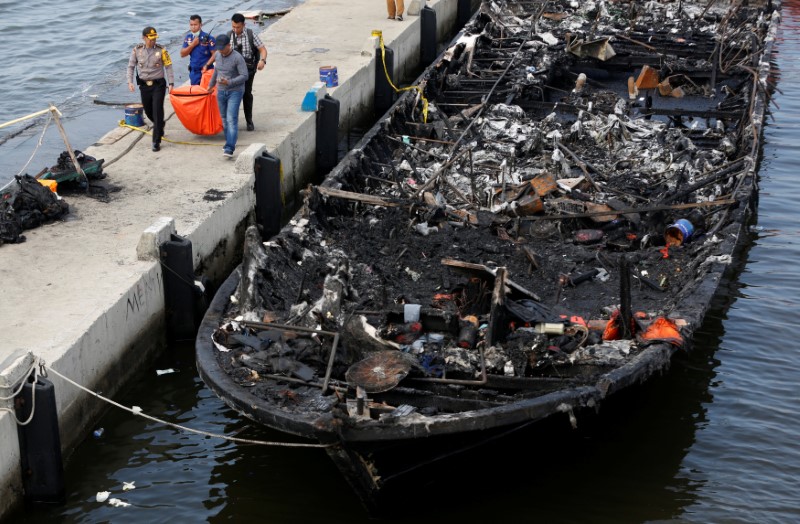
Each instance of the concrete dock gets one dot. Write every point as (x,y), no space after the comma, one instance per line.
(86,294)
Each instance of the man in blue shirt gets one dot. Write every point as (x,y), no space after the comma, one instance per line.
(199,46)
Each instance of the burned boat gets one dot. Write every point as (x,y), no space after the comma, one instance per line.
(542,224)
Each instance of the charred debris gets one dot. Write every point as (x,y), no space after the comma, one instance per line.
(27,202)
(572,196)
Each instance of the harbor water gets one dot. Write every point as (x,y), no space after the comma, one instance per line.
(713,440)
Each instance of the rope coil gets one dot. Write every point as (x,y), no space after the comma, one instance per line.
(37,372)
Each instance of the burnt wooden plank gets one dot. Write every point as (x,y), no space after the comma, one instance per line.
(470,267)
(358,197)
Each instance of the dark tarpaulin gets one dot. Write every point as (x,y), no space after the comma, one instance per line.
(28,206)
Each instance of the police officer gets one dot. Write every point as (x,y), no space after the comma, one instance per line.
(198,46)
(152,61)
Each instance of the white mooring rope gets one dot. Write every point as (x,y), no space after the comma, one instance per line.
(137,411)
(35,369)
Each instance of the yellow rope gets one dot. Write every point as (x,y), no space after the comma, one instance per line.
(417,88)
(145,131)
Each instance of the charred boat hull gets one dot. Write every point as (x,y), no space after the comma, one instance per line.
(511,244)
(389,457)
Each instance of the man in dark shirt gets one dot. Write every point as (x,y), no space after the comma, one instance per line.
(250,46)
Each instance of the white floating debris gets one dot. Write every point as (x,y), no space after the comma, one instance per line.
(102,496)
(254,14)
(117,503)
(127,486)
(136,409)
(167,371)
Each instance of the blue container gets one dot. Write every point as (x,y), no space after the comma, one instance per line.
(133,115)
(309,101)
(679,233)
(329,75)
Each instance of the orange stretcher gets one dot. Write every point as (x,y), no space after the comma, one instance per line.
(197,108)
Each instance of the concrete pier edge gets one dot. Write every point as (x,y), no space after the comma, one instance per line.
(153,237)
(86,295)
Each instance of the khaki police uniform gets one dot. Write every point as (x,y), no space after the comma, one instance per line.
(152,63)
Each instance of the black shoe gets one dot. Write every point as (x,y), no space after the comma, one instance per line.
(250,126)
(156,146)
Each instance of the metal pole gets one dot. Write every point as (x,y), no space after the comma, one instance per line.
(56,114)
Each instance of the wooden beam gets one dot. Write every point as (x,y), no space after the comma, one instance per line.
(56,116)
(358,197)
(496,315)
(26,117)
(470,267)
(628,210)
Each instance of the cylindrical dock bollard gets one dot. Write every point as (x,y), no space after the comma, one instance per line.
(269,199)
(179,288)
(427,37)
(327,134)
(463,12)
(40,444)
(384,93)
